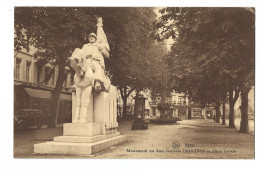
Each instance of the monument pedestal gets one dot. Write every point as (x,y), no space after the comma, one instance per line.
(98,134)
(80,139)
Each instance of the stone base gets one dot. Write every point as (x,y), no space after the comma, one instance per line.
(84,139)
(81,139)
(77,129)
(139,125)
(77,148)
(99,133)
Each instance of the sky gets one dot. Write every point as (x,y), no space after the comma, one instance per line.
(169,41)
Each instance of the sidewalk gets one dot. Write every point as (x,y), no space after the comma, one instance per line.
(251,124)
(192,139)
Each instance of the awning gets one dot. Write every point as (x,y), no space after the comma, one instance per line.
(43,94)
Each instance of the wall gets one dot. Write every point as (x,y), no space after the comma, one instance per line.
(23,100)
(24,57)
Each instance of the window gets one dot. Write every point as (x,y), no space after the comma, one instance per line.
(180,100)
(18,68)
(184,100)
(154,111)
(49,80)
(47,71)
(27,74)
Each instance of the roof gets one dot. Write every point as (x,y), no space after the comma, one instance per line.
(37,93)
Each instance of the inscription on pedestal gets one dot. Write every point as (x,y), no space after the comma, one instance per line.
(77,129)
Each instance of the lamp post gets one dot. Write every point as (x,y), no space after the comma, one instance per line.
(139,113)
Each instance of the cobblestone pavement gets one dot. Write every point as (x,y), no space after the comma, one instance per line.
(190,139)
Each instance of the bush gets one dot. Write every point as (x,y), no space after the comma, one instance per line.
(163,106)
(164,109)
(179,118)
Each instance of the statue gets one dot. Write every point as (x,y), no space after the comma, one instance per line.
(89,67)
(94,124)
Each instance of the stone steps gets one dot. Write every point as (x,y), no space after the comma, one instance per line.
(84,139)
(75,147)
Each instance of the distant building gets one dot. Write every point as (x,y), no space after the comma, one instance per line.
(183,107)
(32,92)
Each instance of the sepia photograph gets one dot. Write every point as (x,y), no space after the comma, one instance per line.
(134,82)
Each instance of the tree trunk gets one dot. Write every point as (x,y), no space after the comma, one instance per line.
(56,95)
(124,106)
(124,96)
(52,123)
(244,106)
(224,113)
(232,102)
(217,112)
(231,109)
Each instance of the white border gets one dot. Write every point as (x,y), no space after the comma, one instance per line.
(11,165)
(138,3)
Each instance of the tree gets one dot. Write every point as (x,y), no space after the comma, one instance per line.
(246,81)
(232,101)
(56,32)
(133,52)
(160,87)
(205,37)
(224,112)
(202,85)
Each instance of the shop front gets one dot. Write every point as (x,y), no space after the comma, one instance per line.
(38,98)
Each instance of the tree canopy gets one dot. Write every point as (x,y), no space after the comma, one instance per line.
(57,31)
(213,52)
(209,43)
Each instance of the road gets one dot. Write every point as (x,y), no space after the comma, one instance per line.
(190,139)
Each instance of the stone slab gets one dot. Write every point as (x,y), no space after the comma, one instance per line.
(84,139)
(78,129)
(77,148)
(111,125)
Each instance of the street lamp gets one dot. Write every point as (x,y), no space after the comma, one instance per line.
(139,113)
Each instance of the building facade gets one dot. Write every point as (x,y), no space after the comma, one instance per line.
(32,91)
(182,107)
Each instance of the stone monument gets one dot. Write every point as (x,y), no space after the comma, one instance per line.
(94,104)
